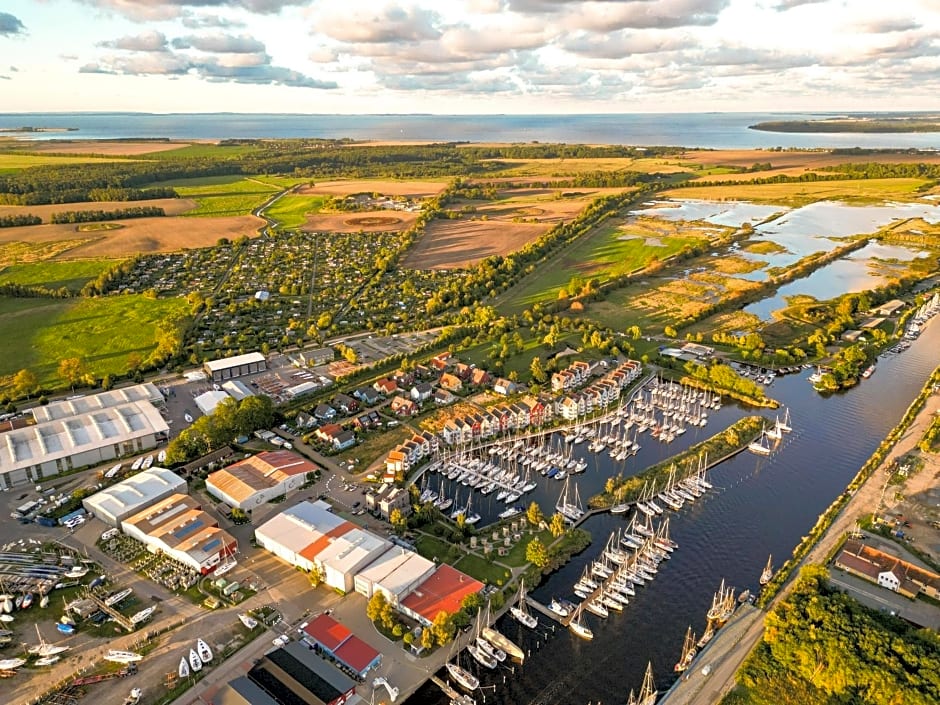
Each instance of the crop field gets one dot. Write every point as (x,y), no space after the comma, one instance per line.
(414,189)
(363,221)
(449,244)
(18,252)
(573,166)
(607,252)
(291,210)
(535,205)
(37,333)
(71,274)
(801,194)
(139,235)
(217,196)
(13,162)
(171,206)
(807,160)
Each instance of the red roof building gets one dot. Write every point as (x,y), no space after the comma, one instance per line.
(336,640)
(443,591)
(327,632)
(357,654)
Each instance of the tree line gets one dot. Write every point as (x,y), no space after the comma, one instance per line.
(99,215)
(14,221)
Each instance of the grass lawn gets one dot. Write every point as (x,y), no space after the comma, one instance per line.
(521,362)
(72,274)
(291,211)
(38,333)
(801,194)
(213,151)
(374,445)
(607,252)
(484,570)
(516,556)
(434,548)
(223,195)
(12,162)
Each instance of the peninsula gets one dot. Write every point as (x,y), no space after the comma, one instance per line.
(923,123)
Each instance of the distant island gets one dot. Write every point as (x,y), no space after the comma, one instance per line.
(28,128)
(853,124)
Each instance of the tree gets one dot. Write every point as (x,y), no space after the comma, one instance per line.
(315,574)
(557,525)
(472,603)
(380,611)
(669,332)
(536,553)
(25,383)
(538,372)
(552,337)
(427,638)
(72,371)
(442,626)
(534,514)
(397,520)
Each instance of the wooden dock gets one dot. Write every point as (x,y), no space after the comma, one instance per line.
(539,607)
(449,690)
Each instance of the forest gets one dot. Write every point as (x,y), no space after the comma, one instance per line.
(822,647)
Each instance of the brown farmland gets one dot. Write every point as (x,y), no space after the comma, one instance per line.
(368,221)
(447,244)
(171,206)
(140,235)
(415,189)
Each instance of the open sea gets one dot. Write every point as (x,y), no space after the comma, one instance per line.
(708,130)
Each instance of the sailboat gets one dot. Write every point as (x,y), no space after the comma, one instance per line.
(46,660)
(500,641)
(203,651)
(578,627)
(718,599)
(568,507)
(768,571)
(8,664)
(785,424)
(759,447)
(688,652)
(520,610)
(776,432)
(707,636)
(648,690)
(462,676)
(45,649)
(194,661)
(183,669)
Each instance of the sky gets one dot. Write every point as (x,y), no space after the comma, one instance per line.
(468,56)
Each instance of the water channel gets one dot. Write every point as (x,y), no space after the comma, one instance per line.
(759,506)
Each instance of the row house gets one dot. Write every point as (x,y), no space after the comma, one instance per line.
(406,455)
(573,376)
(499,420)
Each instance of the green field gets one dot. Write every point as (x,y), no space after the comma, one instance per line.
(608,252)
(217,196)
(801,194)
(12,162)
(290,211)
(38,333)
(207,151)
(71,274)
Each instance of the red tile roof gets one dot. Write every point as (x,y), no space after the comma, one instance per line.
(327,631)
(443,591)
(356,654)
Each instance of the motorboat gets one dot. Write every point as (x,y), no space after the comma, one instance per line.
(249,621)
(112,600)
(122,656)
(65,628)
(114,471)
(27,601)
(558,608)
(143,615)
(183,669)
(78,571)
(46,660)
(134,697)
(8,664)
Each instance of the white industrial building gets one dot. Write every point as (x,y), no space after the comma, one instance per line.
(207,401)
(115,503)
(82,431)
(395,573)
(237,366)
(178,527)
(259,479)
(309,535)
(237,389)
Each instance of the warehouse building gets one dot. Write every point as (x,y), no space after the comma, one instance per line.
(178,527)
(443,591)
(292,675)
(237,366)
(82,432)
(336,641)
(309,535)
(237,389)
(259,479)
(208,401)
(116,503)
(395,573)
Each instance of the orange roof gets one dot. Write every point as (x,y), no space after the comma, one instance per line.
(311,551)
(259,472)
(443,591)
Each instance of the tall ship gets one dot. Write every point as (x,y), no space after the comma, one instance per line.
(714,612)
(768,571)
(688,652)
(648,690)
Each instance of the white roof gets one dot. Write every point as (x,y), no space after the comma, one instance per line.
(77,406)
(67,436)
(237,389)
(136,492)
(236,361)
(301,388)
(301,525)
(351,551)
(207,401)
(397,569)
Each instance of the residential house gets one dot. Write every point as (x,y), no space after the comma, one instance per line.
(402,406)
(328,432)
(346,404)
(396,498)
(421,392)
(505,387)
(442,397)
(463,371)
(452,432)
(324,412)
(368,420)
(367,395)
(404,379)
(440,362)
(385,386)
(480,377)
(450,382)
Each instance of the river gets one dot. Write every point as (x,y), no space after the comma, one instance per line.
(759,506)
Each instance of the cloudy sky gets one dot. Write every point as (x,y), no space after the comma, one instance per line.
(468,56)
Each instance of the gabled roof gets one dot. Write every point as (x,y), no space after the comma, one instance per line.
(443,591)
(327,631)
